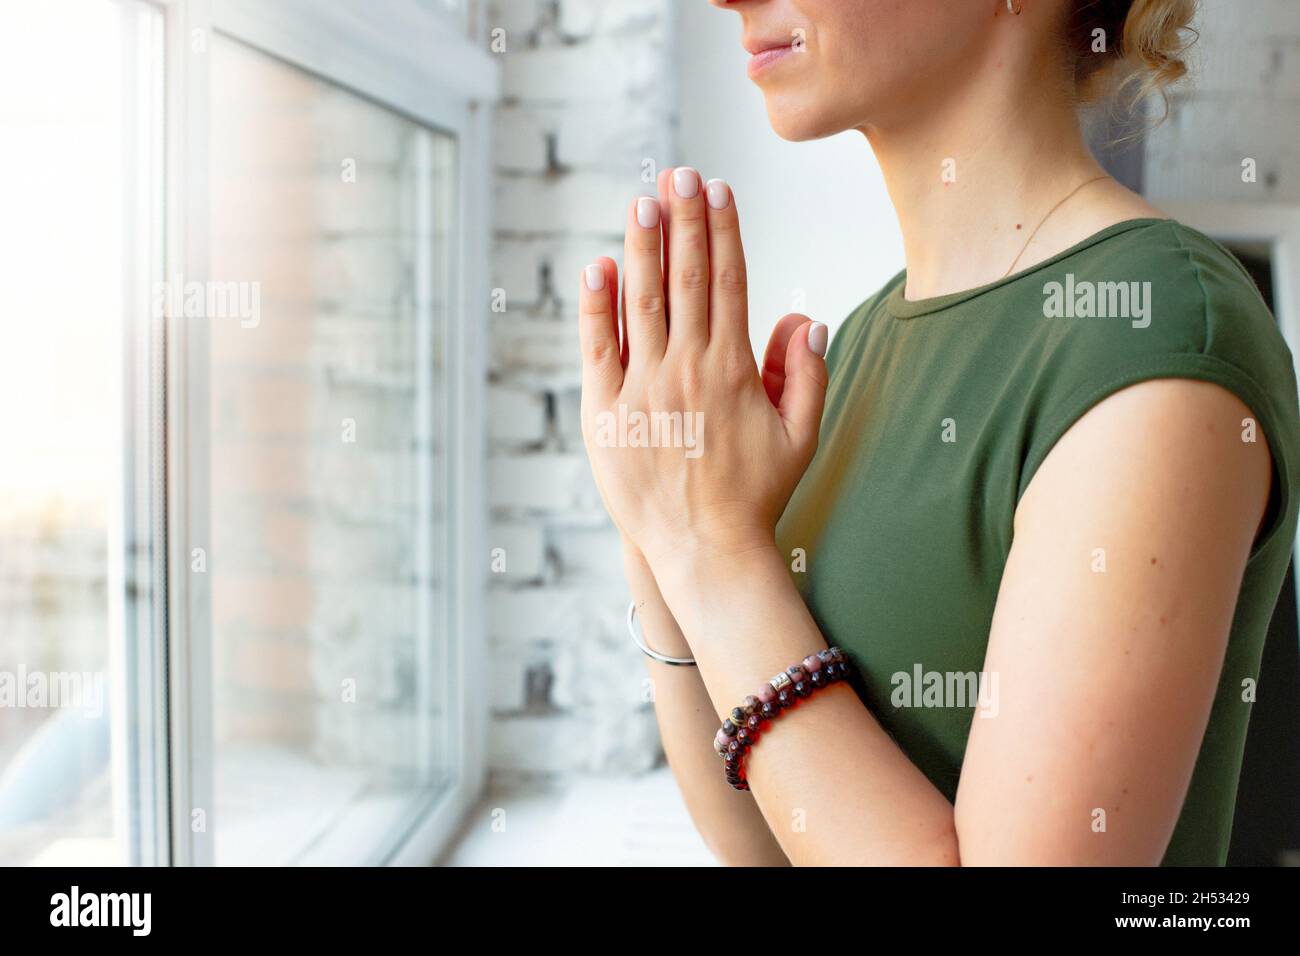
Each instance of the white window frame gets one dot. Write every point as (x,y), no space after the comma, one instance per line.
(138,550)
(414,57)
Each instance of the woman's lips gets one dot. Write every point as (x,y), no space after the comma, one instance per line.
(764,59)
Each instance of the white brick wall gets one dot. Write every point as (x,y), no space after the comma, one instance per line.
(587,108)
(1241,102)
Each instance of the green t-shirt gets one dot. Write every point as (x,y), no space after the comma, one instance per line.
(939,412)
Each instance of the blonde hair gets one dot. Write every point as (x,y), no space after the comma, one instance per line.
(1149,57)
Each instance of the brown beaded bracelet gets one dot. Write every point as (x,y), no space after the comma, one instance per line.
(741,729)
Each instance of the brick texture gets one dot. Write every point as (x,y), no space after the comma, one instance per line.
(587,118)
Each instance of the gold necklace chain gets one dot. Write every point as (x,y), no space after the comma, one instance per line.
(1071,193)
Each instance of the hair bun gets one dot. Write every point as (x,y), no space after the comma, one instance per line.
(1157,34)
(1153,38)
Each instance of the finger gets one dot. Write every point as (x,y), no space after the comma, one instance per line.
(774,356)
(805,384)
(728,286)
(643,283)
(611,282)
(622,311)
(688,248)
(665,218)
(602,373)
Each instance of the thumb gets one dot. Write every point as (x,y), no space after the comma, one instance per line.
(774,356)
(805,383)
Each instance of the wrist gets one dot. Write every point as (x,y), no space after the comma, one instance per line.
(711,554)
(633,559)
(699,583)
(658,627)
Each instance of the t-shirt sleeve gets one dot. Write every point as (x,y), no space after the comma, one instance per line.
(1209,324)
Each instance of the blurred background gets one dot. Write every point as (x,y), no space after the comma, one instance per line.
(301,561)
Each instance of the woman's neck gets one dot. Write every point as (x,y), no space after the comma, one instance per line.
(974,176)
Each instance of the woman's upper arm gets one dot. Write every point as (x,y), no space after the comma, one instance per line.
(1109,633)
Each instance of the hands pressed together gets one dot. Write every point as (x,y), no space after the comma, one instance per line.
(694,449)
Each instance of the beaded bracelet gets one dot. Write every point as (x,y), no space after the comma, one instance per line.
(740,731)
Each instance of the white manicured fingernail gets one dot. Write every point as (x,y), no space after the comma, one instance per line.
(647,212)
(718,192)
(595,277)
(817,339)
(686,182)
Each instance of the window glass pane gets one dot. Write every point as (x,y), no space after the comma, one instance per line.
(81,137)
(326,311)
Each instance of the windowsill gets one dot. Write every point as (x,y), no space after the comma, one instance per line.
(586,821)
(277,807)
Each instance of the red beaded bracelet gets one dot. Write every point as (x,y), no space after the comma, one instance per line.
(740,731)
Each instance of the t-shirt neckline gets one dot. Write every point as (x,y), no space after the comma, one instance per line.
(903,308)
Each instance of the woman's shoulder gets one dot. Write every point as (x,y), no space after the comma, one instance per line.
(1160,287)
(1158,299)
(1187,278)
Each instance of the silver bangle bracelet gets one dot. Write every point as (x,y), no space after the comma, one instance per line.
(639,641)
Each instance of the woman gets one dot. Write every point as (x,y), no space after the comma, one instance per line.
(1059,449)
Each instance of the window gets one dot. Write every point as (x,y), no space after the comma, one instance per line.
(80,243)
(330,215)
(235,501)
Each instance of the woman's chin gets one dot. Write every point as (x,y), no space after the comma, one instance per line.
(799,122)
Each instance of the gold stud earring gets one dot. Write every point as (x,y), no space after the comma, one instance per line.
(1013,6)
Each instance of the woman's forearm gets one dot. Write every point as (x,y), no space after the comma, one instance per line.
(833,786)
(730,823)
